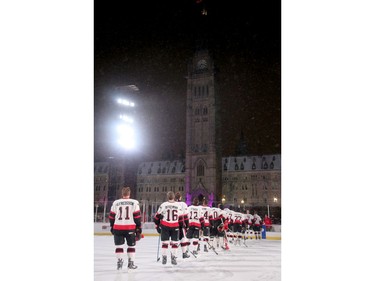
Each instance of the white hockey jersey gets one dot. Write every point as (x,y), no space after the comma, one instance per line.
(171,214)
(195,216)
(126,214)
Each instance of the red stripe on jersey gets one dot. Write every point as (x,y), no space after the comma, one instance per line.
(124,227)
(195,224)
(112,215)
(169,224)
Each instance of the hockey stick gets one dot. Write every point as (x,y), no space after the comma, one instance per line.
(211,247)
(157,256)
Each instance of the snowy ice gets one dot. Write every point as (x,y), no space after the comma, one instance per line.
(260,261)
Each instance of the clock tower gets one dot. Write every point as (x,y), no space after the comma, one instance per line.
(203,145)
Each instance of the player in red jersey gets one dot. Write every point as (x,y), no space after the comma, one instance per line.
(125,222)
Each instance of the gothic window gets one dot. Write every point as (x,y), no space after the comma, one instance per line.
(253,166)
(173,170)
(236,167)
(205,111)
(183,169)
(149,171)
(225,167)
(206,90)
(159,170)
(200,170)
(271,166)
(265,166)
(242,167)
(163,171)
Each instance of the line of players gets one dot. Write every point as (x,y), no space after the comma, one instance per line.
(182,225)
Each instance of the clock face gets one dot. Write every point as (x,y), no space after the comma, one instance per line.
(202,64)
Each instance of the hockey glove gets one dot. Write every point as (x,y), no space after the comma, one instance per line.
(138,234)
(158,229)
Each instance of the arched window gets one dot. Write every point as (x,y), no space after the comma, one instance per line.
(200,170)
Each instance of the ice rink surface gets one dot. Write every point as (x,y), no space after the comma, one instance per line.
(260,261)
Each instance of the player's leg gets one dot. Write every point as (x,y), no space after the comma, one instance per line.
(119,249)
(130,240)
(164,236)
(174,245)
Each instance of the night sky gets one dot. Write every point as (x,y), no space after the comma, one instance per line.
(149,44)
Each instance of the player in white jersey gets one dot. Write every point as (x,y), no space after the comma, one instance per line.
(238,221)
(229,217)
(249,221)
(168,220)
(184,242)
(205,212)
(215,217)
(195,224)
(125,222)
(257,222)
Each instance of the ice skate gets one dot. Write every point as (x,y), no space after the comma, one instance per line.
(205,248)
(164,261)
(131,264)
(195,253)
(120,262)
(185,255)
(173,260)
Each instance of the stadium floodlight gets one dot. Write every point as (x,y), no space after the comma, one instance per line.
(126,118)
(125,102)
(126,136)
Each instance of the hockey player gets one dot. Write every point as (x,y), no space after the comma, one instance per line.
(195,224)
(249,221)
(125,222)
(168,220)
(205,211)
(184,242)
(228,216)
(257,222)
(238,220)
(215,218)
